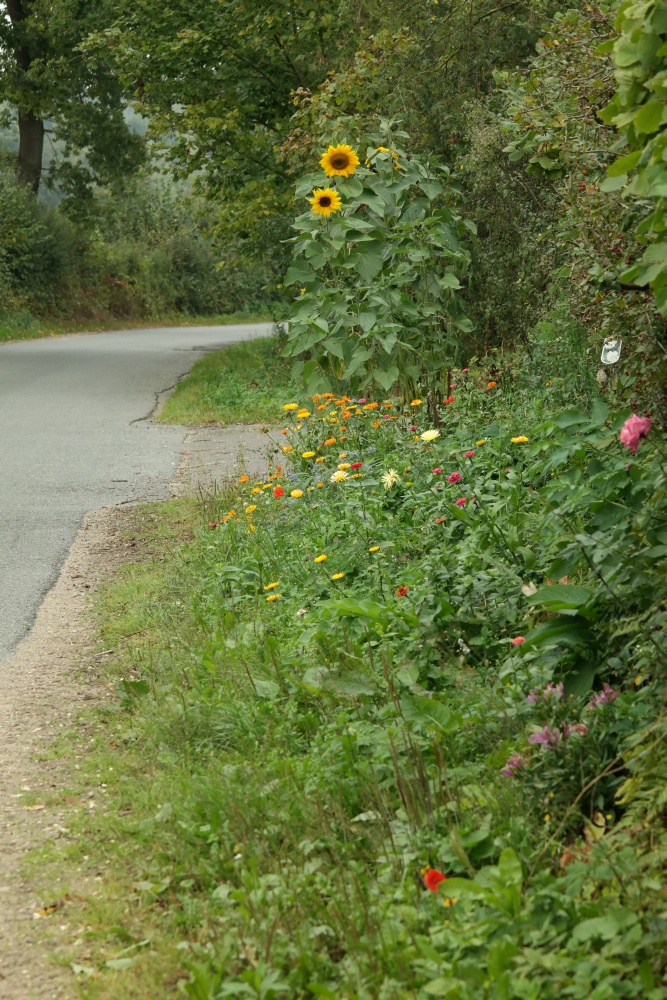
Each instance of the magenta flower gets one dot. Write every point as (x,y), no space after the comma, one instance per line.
(385,416)
(454,478)
(546,737)
(414,427)
(604,697)
(633,429)
(533,696)
(554,691)
(436,472)
(363,400)
(469,454)
(518,641)
(578,727)
(461,502)
(514,764)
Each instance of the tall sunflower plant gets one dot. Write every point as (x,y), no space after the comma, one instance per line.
(380,259)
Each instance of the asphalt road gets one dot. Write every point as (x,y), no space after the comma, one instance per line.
(74,436)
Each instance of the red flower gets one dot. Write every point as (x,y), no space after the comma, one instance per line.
(469,454)
(436,472)
(461,502)
(278,492)
(433,878)
(356,465)
(517,641)
(450,399)
(402,591)
(454,478)
(213,524)
(439,520)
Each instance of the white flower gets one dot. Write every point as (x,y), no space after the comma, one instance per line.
(390,479)
(429,436)
(339,476)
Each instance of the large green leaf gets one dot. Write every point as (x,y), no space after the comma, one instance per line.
(561,596)
(429,712)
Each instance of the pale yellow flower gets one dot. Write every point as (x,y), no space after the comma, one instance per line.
(390,479)
(429,436)
(339,476)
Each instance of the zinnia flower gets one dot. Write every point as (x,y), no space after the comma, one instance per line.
(338,576)
(278,492)
(454,478)
(518,640)
(436,472)
(339,161)
(272,586)
(296,494)
(416,402)
(325,201)
(356,465)
(390,479)
(439,520)
(307,454)
(522,439)
(401,591)
(633,429)
(450,399)
(432,879)
(468,454)
(319,559)
(461,502)
(429,436)
(464,370)
(339,476)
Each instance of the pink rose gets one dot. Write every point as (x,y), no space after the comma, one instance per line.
(454,478)
(633,429)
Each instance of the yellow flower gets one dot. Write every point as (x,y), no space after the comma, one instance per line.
(291,406)
(522,439)
(308,454)
(429,436)
(266,486)
(320,485)
(302,414)
(272,586)
(251,528)
(478,444)
(548,383)
(339,161)
(374,548)
(325,201)
(319,559)
(342,454)
(302,291)
(357,475)
(320,459)
(273,597)
(338,576)
(339,476)
(390,479)
(287,448)
(231,513)
(344,466)
(256,489)
(249,510)
(296,494)
(416,402)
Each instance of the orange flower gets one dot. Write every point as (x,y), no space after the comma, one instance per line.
(330,441)
(376,424)
(370,406)
(244,479)
(491,385)
(401,591)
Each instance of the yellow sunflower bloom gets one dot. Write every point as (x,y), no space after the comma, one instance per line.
(339,161)
(338,576)
(319,559)
(325,201)
(272,586)
(522,439)
(273,597)
(290,406)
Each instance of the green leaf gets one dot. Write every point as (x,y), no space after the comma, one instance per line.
(650,117)
(369,260)
(624,164)
(510,868)
(561,595)
(443,986)
(298,273)
(386,378)
(428,712)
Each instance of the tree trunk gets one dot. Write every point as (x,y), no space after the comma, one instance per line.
(31,148)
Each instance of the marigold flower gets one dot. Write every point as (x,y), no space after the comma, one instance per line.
(319,559)
(633,429)
(302,414)
(231,513)
(478,444)
(244,479)
(213,524)
(296,494)
(429,436)
(330,441)
(320,459)
(272,586)
(339,161)
(518,640)
(273,597)
(256,489)
(322,406)
(374,548)
(287,448)
(521,439)
(344,466)
(401,591)
(278,492)
(307,454)
(432,879)
(319,485)
(468,454)
(266,486)
(416,402)
(376,424)
(357,475)
(455,477)
(284,431)
(342,454)
(491,385)
(461,502)
(249,510)
(291,406)
(440,520)
(371,406)
(390,479)
(338,576)
(339,476)
(325,201)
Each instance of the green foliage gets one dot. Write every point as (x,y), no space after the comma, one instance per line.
(379,302)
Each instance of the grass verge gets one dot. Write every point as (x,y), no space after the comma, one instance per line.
(23,326)
(244,383)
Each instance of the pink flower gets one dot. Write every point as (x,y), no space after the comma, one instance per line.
(361,400)
(604,697)
(518,640)
(461,502)
(454,478)
(464,370)
(469,454)
(453,385)
(436,472)
(414,427)
(302,611)
(546,736)
(578,727)
(633,429)
(555,691)
(385,416)
(514,764)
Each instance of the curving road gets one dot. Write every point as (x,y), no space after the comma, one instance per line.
(74,436)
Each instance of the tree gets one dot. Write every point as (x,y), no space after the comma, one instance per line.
(46,77)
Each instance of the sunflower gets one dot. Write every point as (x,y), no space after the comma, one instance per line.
(325,201)
(339,161)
